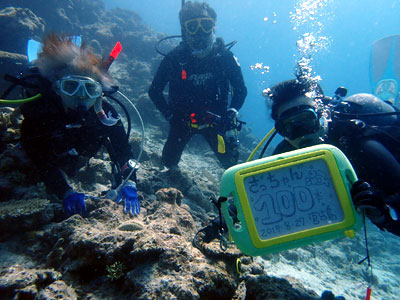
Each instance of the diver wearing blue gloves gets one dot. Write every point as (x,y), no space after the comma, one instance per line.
(70,121)
(364,127)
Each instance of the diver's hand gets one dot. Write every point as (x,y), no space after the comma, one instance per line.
(74,203)
(129,193)
(168,116)
(366,199)
(229,120)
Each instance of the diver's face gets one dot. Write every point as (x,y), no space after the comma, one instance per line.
(199,33)
(78,92)
(299,123)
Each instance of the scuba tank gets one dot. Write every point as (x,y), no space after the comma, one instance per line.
(367,108)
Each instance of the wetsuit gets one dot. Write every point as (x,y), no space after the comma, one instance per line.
(372,145)
(55,139)
(197,86)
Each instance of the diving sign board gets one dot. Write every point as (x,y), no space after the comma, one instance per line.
(293,198)
(290,200)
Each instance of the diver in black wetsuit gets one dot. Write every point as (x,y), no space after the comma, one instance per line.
(200,74)
(70,121)
(364,127)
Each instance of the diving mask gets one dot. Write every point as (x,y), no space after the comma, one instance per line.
(79,92)
(297,122)
(80,86)
(192,26)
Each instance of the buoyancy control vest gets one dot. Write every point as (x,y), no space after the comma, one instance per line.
(194,74)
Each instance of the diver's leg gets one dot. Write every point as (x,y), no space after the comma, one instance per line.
(178,137)
(231,155)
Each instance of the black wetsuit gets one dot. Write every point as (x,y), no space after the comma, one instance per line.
(196,86)
(372,145)
(55,139)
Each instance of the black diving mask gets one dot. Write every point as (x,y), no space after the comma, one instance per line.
(297,122)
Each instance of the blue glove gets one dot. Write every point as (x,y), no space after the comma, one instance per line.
(129,192)
(74,203)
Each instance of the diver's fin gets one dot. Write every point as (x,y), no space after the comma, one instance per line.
(77,40)
(385,66)
(385,59)
(34,47)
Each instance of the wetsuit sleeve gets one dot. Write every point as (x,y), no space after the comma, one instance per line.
(374,163)
(283,147)
(119,149)
(37,139)
(120,144)
(120,152)
(235,77)
(156,91)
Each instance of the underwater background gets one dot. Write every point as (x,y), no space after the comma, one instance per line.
(110,255)
(336,34)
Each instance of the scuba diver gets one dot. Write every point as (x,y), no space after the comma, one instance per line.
(364,127)
(68,120)
(200,74)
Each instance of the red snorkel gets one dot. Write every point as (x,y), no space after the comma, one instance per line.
(107,120)
(115,52)
(113,55)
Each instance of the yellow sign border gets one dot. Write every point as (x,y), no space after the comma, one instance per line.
(340,188)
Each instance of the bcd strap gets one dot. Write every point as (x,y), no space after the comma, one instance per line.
(21,81)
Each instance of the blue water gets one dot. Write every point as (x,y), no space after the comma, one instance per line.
(344,31)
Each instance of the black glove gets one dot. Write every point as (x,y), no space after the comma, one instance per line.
(168,116)
(229,121)
(366,199)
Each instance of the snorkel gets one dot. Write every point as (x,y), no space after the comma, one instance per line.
(107,120)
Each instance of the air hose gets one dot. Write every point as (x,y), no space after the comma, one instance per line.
(19,101)
(260,143)
(140,119)
(133,164)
